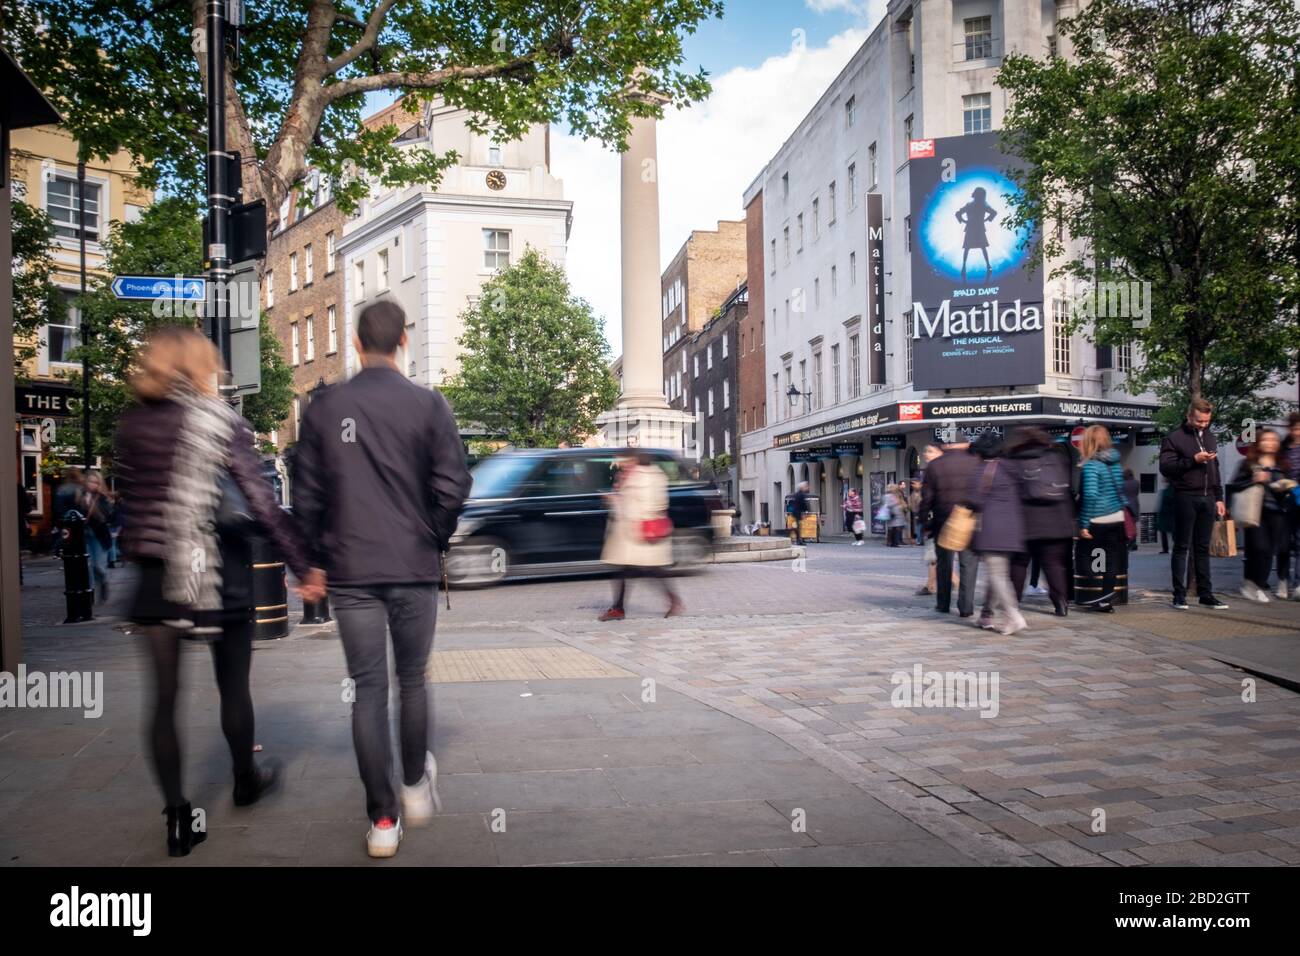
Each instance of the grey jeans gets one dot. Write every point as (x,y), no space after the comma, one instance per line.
(409,612)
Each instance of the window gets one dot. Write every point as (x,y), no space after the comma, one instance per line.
(408,250)
(332,330)
(293,272)
(853,185)
(294,346)
(907,351)
(726,393)
(817,219)
(776,393)
(785,185)
(270,288)
(329,252)
(817,380)
(835,374)
(360,271)
(710,402)
(708,354)
(1124,357)
(63,337)
(494,154)
(831,202)
(297,415)
(799,228)
(496,249)
(726,441)
(712,447)
(62,206)
(979,38)
(1061,350)
(907,129)
(307,265)
(803,379)
(724,346)
(850,112)
(834,283)
(697,366)
(773,257)
(853,268)
(785,237)
(817,293)
(383,270)
(976,113)
(871,166)
(907,231)
(855,367)
(311,337)
(1051,46)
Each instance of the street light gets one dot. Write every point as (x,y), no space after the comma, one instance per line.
(794,395)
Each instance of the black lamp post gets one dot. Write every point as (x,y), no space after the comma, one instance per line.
(794,395)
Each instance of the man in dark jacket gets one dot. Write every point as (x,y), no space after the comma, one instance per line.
(380,480)
(945,486)
(799,508)
(1189,458)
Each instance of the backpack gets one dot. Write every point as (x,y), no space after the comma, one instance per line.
(1046,480)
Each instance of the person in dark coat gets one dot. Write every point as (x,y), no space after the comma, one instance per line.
(1264,543)
(1047,510)
(1165,517)
(1133,504)
(996,491)
(799,508)
(945,486)
(187,472)
(1189,459)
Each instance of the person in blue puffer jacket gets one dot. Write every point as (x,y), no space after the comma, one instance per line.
(1101,510)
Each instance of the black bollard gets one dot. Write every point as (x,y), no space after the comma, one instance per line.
(316,612)
(270,592)
(78,593)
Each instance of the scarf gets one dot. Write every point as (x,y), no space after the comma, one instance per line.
(192,564)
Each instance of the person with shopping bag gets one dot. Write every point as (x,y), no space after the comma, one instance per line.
(853,516)
(1189,459)
(1259,493)
(944,493)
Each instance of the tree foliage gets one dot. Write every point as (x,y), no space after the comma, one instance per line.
(1168,145)
(534,364)
(36,299)
(126,73)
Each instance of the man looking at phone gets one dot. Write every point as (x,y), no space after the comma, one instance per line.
(1189,458)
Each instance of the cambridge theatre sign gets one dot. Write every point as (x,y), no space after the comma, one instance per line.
(1020,408)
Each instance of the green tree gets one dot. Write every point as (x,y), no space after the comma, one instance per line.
(36,299)
(1168,145)
(128,73)
(534,364)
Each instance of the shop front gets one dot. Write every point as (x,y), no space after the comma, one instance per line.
(873,450)
(39,408)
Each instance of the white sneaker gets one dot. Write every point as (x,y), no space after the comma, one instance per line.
(1251,592)
(1282,591)
(383,837)
(421,802)
(1032,589)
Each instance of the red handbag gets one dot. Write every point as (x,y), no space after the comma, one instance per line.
(656,529)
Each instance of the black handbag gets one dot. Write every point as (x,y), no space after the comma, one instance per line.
(233,516)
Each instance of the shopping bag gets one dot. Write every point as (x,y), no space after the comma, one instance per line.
(958,529)
(1247,505)
(859,526)
(1223,540)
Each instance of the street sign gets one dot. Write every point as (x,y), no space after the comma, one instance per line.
(151,288)
(1076,436)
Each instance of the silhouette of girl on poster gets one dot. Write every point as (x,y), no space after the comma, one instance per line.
(974,215)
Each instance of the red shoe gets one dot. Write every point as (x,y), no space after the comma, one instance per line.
(676,609)
(613,614)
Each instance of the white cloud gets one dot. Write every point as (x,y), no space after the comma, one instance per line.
(708,155)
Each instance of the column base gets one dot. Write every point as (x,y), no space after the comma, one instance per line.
(645,426)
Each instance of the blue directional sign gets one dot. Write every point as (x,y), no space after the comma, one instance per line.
(149,288)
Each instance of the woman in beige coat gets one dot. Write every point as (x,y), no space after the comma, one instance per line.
(640,494)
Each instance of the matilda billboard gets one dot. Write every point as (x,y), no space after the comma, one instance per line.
(977,299)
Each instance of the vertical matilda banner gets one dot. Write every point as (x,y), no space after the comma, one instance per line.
(876,288)
(977,298)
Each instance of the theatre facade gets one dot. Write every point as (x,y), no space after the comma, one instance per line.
(902,301)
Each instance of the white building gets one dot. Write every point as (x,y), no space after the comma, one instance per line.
(431,249)
(927,71)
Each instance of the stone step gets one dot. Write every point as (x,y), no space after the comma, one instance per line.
(754,543)
(786,553)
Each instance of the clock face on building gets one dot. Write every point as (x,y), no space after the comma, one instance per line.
(496,179)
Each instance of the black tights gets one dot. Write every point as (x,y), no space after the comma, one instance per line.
(627,573)
(232,657)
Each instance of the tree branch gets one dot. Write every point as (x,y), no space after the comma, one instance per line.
(426,81)
(374,23)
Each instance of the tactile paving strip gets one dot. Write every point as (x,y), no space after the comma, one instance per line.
(549,662)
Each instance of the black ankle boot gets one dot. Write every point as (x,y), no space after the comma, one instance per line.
(1061,608)
(181,834)
(251,786)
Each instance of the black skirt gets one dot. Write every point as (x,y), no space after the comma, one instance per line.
(150,605)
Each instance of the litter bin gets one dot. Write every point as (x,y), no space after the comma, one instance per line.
(270,592)
(77,592)
(1087,584)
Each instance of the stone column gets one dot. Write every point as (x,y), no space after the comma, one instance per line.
(643,369)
